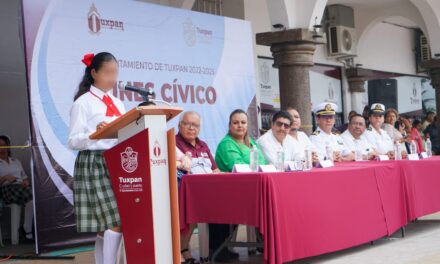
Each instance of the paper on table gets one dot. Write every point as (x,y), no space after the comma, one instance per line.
(241,168)
(326,163)
(383,157)
(414,156)
(267,168)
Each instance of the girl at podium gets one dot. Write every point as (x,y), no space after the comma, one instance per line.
(93,108)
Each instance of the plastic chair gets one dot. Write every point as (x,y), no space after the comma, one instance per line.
(15,223)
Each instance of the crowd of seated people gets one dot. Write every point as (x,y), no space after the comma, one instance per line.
(374,133)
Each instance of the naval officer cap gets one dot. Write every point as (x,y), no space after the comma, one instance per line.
(325,109)
(377,109)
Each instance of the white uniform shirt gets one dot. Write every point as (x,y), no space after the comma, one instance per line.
(382,142)
(302,142)
(13,168)
(394,134)
(321,140)
(271,146)
(86,113)
(351,143)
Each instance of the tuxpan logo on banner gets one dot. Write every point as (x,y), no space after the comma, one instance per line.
(192,60)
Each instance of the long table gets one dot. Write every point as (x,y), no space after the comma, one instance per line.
(303,214)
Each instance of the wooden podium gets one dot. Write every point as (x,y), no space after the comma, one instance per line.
(143,171)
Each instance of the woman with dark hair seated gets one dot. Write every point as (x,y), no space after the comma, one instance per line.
(416,136)
(14,184)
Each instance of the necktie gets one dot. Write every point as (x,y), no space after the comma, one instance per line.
(112,110)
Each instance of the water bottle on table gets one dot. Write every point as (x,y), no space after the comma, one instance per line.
(329,152)
(413,147)
(308,159)
(397,151)
(358,152)
(428,147)
(253,159)
(280,161)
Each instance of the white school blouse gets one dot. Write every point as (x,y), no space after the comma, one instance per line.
(14,168)
(87,112)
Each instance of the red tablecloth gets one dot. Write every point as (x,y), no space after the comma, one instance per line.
(302,214)
(391,190)
(422,186)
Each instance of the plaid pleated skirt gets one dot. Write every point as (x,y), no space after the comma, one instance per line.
(95,205)
(15,194)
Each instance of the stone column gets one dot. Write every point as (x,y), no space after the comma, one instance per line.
(356,78)
(293,51)
(433,67)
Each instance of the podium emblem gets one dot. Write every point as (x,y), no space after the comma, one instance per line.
(129,160)
(156,149)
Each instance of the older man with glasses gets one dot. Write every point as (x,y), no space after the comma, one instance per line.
(202,161)
(187,140)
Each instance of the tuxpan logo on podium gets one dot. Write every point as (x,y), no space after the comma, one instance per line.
(129,163)
(156,149)
(157,159)
(129,160)
(130,184)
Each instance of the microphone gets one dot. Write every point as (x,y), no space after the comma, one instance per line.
(147,95)
(140,91)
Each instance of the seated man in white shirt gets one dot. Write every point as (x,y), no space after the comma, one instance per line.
(277,139)
(354,138)
(302,141)
(324,139)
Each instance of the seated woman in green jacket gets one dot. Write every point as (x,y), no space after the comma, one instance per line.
(235,147)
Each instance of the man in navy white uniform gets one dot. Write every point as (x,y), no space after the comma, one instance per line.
(323,138)
(378,137)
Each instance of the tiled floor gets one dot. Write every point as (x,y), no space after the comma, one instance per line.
(420,246)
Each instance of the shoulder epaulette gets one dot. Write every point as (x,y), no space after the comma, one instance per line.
(316,133)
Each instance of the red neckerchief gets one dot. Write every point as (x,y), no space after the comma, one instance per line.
(112,110)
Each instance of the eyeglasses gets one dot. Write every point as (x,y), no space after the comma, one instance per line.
(281,124)
(189,125)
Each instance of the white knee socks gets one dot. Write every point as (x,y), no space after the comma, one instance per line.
(99,256)
(112,240)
